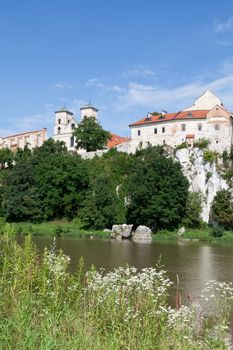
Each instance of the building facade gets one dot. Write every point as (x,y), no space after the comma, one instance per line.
(207,118)
(65,123)
(31,139)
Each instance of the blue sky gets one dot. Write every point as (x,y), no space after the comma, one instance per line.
(128,57)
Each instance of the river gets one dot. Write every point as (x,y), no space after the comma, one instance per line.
(194,262)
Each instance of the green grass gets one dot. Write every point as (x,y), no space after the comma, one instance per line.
(57,228)
(45,307)
(202,234)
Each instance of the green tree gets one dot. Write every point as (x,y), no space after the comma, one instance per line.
(193,209)
(50,184)
(90,135)
(103,205)
(222,209)
(6,158)
(156,190)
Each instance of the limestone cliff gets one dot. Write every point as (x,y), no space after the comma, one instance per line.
(203,176)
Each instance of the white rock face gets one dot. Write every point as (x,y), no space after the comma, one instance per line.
(142,233)
(203,177)
(121,231)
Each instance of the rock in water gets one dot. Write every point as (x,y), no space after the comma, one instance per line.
(142,234)
(121,231)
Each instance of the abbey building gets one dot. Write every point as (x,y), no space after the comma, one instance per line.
(207,119)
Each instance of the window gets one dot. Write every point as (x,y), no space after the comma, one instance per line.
(216,126)
(163,129)
(139,132)
(59,130)
(155,130)
(72,126)
(199,127)
(183,127)
(68,121)
(217,141)
(164,142)
(72,141)
(59,121)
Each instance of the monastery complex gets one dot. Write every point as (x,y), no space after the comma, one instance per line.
(207,118)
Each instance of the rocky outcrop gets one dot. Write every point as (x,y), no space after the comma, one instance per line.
(121,231)
(204,177)
(142,234)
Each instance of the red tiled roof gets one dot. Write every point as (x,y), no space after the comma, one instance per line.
(195,114)
(116,140)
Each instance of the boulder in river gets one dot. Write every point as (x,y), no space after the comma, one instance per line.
(142,234)
(121,231)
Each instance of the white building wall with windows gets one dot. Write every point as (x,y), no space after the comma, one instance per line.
(215,125)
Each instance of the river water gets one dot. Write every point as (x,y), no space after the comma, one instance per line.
(195,263)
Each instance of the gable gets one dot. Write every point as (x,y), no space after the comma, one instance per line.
(218,114)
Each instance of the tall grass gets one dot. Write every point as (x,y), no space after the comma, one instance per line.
(43,306)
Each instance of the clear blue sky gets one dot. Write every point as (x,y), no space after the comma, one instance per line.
(128,57)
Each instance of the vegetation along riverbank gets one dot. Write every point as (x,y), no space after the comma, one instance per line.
(73,229)
(54,192)
(43,306)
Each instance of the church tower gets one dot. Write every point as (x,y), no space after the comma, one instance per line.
(64,126)
(88,111)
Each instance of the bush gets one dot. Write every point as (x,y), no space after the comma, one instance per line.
(217,231)
(201,143)
(209,156)
(181,146)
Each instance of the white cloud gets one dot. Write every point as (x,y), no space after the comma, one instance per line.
(174,98)
(139,71)
(223,26)
(62,85)
(94,83)
(221,43)
(31,122)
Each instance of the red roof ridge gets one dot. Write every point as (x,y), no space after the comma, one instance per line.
(191,114)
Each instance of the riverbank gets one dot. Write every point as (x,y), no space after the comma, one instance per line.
(44,306)
(202,235)
(73,229)
(58,229)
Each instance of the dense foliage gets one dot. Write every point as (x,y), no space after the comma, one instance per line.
(156,190)
(90,135)
(51,183)
(193,209)
(222,209)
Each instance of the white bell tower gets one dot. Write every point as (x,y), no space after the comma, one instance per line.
(64,126)
(89,111)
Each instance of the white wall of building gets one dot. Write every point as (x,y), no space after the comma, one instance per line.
(217,128)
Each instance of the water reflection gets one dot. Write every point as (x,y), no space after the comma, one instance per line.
(194,262)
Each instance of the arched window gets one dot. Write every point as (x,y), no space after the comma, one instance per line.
(59,130)
(59,121)
(72,126)
(72,141)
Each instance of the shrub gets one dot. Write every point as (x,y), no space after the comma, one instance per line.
(217,231)
(181,146)
(209,156)
(201,143)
